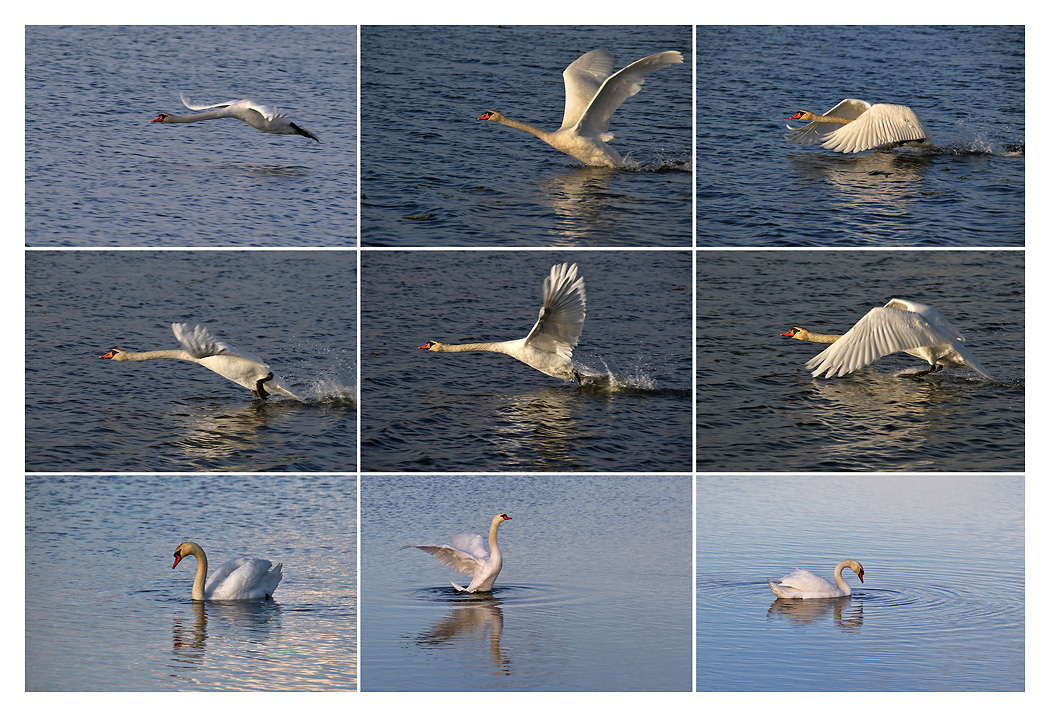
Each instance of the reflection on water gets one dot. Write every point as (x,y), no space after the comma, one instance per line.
(251,622)
(475,624)
(841,612)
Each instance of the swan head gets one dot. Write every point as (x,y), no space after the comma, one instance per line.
(163,117)
(857,568)
(797,332)
(492,116)
(432,346)
(115,354)
(800,115)
(501,517)
(185,549)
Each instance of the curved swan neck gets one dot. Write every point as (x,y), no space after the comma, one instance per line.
(841,581)
(493,547)
(186,549)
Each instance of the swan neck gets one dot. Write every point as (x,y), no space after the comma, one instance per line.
(182,119)
(818,338)
(150,355)
(827,120)
(542,134)
(841,581)
(497,347)
(202,573)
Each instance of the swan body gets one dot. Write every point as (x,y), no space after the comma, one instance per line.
(900,325)
(200,347)
(592,93)
(467,555)
(856,125)
(238,579)
(548,347)
(804,585)
(262,117)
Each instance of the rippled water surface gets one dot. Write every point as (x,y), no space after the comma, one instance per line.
(967,84)
(433,175)
(426,411)
(759,409)
(294,310)
(99,173)
(942,605)
(105,610)
(594,593)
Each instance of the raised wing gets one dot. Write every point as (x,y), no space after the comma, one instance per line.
(200,343)
(564,308)
(582,80)
(881,125)
(819,131)
(594,121)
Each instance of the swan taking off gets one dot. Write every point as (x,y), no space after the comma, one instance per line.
(592,94)
(470,557)
(262,117)
(548,347)
(803,585)
(856,125)
(237,579)
(200,347)
(900,325)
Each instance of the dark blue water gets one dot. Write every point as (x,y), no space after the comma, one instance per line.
(294,310)
(759,409)
(425,411)
(754,188)
(99,173)
(433,175)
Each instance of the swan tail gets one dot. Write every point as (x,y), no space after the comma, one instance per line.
(459,588)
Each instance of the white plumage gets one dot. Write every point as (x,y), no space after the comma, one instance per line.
(804,585)
(856,125)
(264,118)
(237,579)
(468,555)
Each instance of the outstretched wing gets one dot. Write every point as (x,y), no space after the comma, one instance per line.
(564,308)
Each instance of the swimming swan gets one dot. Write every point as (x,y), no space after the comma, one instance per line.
(900,325)
(592,94)
(804,585)
(200,347)
(470,557)
(262,117)
(548,347)
(237,579)
(856,125)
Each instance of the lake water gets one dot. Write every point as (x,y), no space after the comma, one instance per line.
(594,593)
(942,606)
(759,409)
(295,310)
(105,610)
(967,85)
(100,173)
(433,175)
(423,411)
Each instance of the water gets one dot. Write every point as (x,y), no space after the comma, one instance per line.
(423,411)
(432,175)
(105,611)
(942,606)
(296,310)
(99,173)
(594,594)
(759,409)
(756,189)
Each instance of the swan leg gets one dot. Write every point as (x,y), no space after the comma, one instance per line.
(932,369)
(260,390)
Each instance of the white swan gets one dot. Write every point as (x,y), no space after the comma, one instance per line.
(262,117)
(900,325)
(592,94)
(856,125)
(803,585)
(548,347)
(200,347)
(237,579)
(470,557)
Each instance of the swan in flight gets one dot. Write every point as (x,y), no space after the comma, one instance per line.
(199,346)
(856,125)
(900,325)
(548,347)
(592,94)
(237,579)
(802,584)
(470,557)
(262,117)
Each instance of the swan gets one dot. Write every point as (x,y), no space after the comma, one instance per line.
(592,94)
(802,584)
(548,347)
(856,125)
(470,557)
(199,346)
(237,579)
(262,117)
(900,325)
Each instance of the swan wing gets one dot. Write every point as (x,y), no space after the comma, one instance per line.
(806,582)
(243,578)
(594,121)
(880,125)
(452,558)
(883,330)
(235,107)
(201,343)
(819,131)
(471,544)
(962,353)
(582,80)
(560,322)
